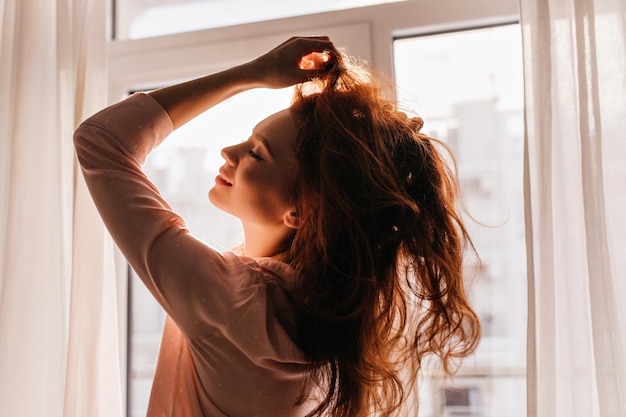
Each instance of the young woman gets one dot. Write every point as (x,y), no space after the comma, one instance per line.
(351,270)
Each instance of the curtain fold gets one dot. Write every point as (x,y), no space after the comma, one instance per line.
(575,83)
(58,329)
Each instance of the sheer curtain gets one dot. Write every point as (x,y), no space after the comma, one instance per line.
(575,77)
(58,334)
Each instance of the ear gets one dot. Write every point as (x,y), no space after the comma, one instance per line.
(292,220)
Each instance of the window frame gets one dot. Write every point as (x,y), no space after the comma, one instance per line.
(143,63)
(139,64)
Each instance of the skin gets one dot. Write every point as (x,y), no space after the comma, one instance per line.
(255,184)
(257,193)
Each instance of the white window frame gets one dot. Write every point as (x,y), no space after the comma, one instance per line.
(367,32)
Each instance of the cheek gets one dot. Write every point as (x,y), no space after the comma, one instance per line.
(285,181)
(279,178)
(274,186)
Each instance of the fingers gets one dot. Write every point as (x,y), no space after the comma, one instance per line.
(314,60)
(313,44)
(324,39)
(297,60)
(318,54)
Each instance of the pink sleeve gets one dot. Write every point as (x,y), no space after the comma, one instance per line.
(201,289)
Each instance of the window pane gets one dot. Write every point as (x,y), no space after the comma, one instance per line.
(468,88)
(146,18)
(184,168)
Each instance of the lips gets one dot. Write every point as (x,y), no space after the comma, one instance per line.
(221,179)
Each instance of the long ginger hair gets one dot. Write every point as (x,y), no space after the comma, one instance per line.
(380,247)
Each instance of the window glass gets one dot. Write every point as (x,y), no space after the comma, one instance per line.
(467,86)
(136,19)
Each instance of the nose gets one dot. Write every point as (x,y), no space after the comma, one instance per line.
(229,154)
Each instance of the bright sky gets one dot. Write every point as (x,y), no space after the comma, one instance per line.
(428,76)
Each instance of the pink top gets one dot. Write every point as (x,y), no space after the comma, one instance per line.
(227,347)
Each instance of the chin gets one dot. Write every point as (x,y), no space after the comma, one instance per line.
(216,202)
(213,199)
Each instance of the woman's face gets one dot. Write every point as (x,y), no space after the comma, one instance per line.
(256,181)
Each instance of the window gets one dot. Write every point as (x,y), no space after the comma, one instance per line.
(467,86)
(385,35)
(146,18)
(462,401)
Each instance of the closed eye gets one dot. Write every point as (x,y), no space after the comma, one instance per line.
(255,155)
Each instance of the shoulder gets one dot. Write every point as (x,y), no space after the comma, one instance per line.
(271,309)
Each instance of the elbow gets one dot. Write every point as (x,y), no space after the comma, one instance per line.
(79,143)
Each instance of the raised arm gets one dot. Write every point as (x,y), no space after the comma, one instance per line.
(294,61)
(197,286)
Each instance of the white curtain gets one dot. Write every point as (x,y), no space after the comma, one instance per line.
(575,85)
(58,333)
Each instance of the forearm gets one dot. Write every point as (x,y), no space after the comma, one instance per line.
(294,61)
(187,100)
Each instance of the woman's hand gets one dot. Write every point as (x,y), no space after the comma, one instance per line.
(297,60)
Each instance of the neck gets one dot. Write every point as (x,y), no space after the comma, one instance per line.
(265,241)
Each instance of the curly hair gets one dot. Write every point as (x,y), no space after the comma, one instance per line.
(380,247)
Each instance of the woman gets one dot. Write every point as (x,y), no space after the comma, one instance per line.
(351,270)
